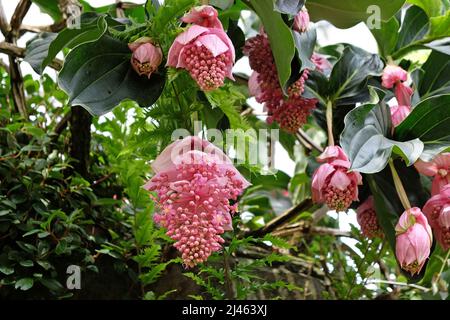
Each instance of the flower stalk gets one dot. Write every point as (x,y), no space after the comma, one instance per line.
(329,115)
(399,187)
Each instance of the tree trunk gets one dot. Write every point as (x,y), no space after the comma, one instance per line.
(80,129)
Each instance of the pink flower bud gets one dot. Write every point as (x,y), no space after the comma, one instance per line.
(146,57)
(206,53)
(253,85)
(301,20)
(393,74)
(334,185)
(414,240)
(204,16)
(332,153)
(439,168)
(367,219)
(322,64)
(437,210)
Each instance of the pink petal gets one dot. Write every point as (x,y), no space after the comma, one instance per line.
(213,43)
(426,168)
(403,94)
(399,113)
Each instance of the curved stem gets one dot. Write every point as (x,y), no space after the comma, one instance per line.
(329,115)
(399,187)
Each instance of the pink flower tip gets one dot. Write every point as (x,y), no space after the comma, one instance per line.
(301,20)
(393,74)
(205,16)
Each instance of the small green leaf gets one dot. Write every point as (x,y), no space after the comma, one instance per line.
(24,284)
(6,270)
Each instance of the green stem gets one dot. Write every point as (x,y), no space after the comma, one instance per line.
(399,187)
(329,115)
(443,265)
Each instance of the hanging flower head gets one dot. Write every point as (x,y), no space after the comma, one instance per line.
(206,53)
(195,182)
(332,183)
(392,75)
(146,56)
(367,219)
(414,239)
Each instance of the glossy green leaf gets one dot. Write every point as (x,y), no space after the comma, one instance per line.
(291,7)
(91,29)
(415,26)
(37,50)
(365,141)
(349,76)
(440,26)
(345,14)
(429,121)
(305,43)
(98,76)
(49,7)
(435,79)
(280,37)
(387,36)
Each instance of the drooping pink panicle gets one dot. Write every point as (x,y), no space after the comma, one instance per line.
(414,240)
(437,210)
(439,168)
(204,16)
(206,53)
(399,113)
(301,20)
(367,219)
(146,56)
(290,113)
(393,74)
(194,182)
(333,183)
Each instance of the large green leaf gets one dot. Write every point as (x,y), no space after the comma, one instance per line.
(345,14)
(91,29)
(280,37)
(305,43)
(365,141)
(349,76)
(289,6)
(435,79)
(37,49)
(98,76)
(387,36)
(415,26)
(429,122)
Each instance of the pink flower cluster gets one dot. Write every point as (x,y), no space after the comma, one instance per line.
(395,76)
(194,182)
(367,219)
(438,168)
(204,49)
(414,240)
(332,183)
(291,113)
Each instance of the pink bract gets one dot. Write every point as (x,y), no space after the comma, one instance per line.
(437,210)
(146,57)
(393,74)
(439,168)
(301,20)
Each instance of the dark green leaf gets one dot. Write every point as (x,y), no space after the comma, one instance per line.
(435,79)
(98,76)
(415,26)
(222,4)
(51,284)
(49,7)
(387,36)
(91,29)
(365,141)
(305,43)
(348,79)
(37,50)
(431,7)
(429,122)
